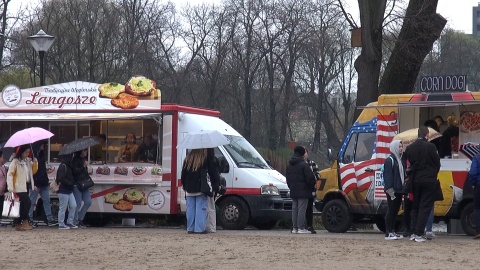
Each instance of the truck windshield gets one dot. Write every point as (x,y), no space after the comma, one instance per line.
(244,154)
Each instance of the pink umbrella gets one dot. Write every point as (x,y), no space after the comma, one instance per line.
(27,136)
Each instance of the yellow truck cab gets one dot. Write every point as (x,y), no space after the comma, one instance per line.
(351,190)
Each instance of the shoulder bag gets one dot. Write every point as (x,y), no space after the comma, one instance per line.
(85,184)
(11,207)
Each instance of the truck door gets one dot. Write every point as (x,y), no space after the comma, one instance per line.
(357,172)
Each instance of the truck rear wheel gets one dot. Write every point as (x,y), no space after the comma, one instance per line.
(467,219)
(234,213)
(336,216)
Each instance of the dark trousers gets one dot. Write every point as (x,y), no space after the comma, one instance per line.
(24,207)
(407,214)
(423,200)
(309,213)
(476,207)
(392,211)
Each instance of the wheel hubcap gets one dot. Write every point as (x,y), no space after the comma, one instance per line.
(230,213)
(334,215)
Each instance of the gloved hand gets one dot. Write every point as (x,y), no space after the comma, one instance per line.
(391,193)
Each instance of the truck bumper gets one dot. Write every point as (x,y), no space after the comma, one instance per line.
(269,207)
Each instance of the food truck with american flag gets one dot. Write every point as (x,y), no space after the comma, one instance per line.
(143,183)
(351,190)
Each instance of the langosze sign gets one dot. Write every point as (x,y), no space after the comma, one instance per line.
(444,83)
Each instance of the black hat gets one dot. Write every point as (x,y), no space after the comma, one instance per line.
(299,150)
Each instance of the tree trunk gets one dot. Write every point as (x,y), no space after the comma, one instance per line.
(369,62)
(422,26)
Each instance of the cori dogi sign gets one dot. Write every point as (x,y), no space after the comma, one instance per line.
(444,83)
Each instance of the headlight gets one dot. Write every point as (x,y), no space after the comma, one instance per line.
(269,190)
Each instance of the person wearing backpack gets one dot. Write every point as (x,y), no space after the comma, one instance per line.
(474,180)
(65,193)
(393,177)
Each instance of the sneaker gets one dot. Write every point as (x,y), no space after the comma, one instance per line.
(311,230)
(430,235)
(71,226)
(52,223)
(412,237)
(32,224)
(81,225)
(398,236)
(63,227)
(294,231)
(391,236)
(420,239)
(303,231)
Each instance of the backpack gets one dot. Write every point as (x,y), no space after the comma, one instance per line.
(62,177)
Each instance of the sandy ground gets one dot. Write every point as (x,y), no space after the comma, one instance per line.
(172,248)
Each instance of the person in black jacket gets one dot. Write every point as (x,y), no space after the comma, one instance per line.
(424,166)
(42,185)
(66,181)
(194,183)
(393,177)
(80,173)
(300,179)
(309,211)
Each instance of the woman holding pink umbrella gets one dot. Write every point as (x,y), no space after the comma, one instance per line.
(19,181)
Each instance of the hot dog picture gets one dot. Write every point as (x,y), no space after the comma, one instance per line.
(139,170)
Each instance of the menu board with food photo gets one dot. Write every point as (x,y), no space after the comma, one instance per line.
(469,125)
(125,200)
(125,172)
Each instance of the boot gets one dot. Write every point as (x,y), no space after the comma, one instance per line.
(26,225)
(18,227)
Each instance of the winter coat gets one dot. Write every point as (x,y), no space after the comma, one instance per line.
(300,178)
(41,177)
(65,186)
(196,181)
(391,174)
(424,160)
(16,167)
(80,172)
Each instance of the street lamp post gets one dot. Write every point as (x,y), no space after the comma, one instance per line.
(41,42)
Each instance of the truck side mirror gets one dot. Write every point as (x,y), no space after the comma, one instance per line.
(224,167)
(329,154)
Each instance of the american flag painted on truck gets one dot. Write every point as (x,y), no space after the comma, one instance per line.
(354,174)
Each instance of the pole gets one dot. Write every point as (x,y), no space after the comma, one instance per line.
(41,54)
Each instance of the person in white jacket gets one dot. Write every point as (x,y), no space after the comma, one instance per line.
(19,181)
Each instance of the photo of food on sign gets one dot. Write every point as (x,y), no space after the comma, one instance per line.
(124,201)
(470,122)
(127,96)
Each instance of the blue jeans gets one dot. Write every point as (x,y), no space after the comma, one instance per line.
(45,194)
(196,213)
(429,226)
(87,201)
(66,200)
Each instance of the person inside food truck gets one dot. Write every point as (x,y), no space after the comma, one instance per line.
(128,151)
(96,152)
(449,139)
(147,151)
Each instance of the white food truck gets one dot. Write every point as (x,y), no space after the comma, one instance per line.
(256,195)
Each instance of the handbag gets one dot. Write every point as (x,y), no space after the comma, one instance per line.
(85,184)
(438,195)
(11,207)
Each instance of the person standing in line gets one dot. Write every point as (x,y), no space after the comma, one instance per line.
(309,211)
(211,224)
(425,164)
(19,181)
(66,198)
(42,185)
(80,173)
(3,180)
(300,180)
(194,182)
(393,177)
(474,179)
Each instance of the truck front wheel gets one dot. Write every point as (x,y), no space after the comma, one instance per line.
(234,213)
(468,220)
(336,216)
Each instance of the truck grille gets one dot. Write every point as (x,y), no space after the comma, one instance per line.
(285,193)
